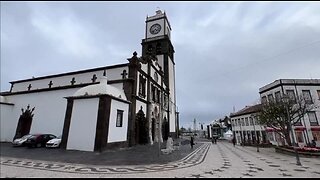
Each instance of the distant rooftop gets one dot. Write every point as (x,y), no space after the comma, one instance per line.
(247,110)
(298,82)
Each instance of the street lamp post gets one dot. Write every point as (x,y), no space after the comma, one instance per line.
(286,99)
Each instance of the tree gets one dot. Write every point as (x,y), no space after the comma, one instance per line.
(283,113)
(182,129)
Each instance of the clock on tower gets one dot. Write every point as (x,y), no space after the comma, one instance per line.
(157,43)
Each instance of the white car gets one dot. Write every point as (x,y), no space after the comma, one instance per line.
(54,143)
(21,141)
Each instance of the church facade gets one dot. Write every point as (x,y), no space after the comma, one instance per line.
(105,107)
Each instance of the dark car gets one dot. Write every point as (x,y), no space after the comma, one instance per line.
(39,140)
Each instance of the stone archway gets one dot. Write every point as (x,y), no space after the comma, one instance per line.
(165,128)
(24,123)
(153,129)
(141,128)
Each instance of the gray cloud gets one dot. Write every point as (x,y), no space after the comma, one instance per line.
(225,51)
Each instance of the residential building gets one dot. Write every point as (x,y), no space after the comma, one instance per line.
(246,128)
(307,129)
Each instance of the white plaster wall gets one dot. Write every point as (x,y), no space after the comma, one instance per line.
(144,67)
(172,123)
(118,134)
(49,113)
(83,124)
(115,73)
(118,85)
(7,123)
(172,95)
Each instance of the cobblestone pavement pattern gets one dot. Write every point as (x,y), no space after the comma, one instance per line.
(206,161)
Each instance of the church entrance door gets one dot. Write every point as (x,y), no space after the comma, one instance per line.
(141,128)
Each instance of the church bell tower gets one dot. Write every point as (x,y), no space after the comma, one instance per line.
(157,43)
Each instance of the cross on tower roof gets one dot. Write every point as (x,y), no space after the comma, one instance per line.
(50,84)
(29,87)
(73,81)
(94,78)
(124,74)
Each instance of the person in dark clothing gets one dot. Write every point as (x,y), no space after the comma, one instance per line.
(234,141)
(191,141)
(313,143)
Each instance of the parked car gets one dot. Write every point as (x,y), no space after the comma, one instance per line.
(39,140)
(54,143)
(21,141)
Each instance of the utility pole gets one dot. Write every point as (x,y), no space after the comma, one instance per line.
(286,99)
(195,125)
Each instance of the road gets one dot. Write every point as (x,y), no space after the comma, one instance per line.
(206,161)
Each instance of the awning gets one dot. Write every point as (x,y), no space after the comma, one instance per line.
(299,128)
(269,129)
(315,128)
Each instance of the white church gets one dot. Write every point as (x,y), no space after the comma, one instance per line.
(102,108)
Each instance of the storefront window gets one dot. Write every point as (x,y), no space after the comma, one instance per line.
(299,136)
(316,135)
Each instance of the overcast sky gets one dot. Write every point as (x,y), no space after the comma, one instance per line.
(224,51)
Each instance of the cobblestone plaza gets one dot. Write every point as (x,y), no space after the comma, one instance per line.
(205,161)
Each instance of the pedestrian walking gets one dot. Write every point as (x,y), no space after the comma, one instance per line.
(191,141)
(234,141)
(215,140)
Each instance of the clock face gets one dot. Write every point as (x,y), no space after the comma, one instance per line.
(155,29)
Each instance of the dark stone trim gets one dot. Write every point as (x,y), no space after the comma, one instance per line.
(11,104)
(166,70)
(143,73)
(66,126)
(159,72)
(120,81)
(96,96)
(102,128)
(47,89)
(63,87)
(116,145)
(72,73)
(148,112)
(142,100)
(151,79)
(130,88)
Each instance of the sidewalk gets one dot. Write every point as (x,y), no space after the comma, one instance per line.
(136,155)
